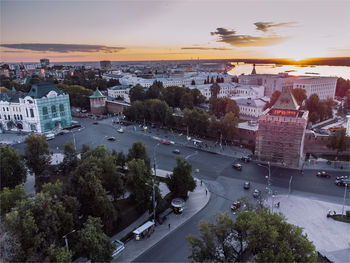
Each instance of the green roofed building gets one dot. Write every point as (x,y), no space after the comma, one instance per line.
(98,103)
(45,108)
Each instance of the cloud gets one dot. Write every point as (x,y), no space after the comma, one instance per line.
(207,48)
(265,26)
(230,37)
(63,48)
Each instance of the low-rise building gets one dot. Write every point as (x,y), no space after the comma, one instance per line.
(120,91)
(44,108)
(250,107)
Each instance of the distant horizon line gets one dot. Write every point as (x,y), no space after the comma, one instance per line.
(276,60)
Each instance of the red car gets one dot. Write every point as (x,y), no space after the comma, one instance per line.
(166,142)
(323,174)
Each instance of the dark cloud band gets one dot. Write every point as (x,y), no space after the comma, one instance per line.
(265,26)
(63,48)
(206,48)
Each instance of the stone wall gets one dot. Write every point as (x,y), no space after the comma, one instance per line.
(318,144)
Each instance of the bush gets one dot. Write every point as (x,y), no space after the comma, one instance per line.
(347,213)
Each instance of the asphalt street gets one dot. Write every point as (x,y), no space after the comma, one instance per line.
(225,183)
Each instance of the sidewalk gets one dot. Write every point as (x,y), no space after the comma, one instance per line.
(331,238)
(196,201)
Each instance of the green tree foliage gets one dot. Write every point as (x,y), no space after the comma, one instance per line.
(78,95)
(138,151)
(12,169)
(319,109)
(70,159)
(300,95)
(9,198)
(181,180)
(186,101)
(59,254)
(94,243)
(338,141)
(221,106)
(196,120)
(343,86)
(228,125)
(267,236)
(197,96)
(346,106)
(138,181)
(9,245)
(37,154)
(155,90)
(39,222)
(214,90)
(273,99)
(137,93)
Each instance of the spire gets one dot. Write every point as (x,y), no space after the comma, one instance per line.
(286,101)
(97,94)
(253,72)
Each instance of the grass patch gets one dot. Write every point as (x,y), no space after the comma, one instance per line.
(341,218)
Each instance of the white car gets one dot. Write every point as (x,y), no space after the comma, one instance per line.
(119,247)
(120,130)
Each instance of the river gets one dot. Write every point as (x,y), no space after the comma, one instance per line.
(334,71)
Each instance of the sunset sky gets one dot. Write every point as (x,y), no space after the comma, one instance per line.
(85,30)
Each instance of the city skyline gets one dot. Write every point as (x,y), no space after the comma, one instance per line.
(164,30)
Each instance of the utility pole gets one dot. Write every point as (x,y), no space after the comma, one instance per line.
(66,239)
(342,211)
(155,174)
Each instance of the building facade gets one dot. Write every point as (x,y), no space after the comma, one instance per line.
(98,103)
(281,133)
(44,108)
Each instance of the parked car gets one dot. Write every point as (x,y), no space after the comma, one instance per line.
(256,193)
(246,185)
(235,206)
(237,166)
(323,174)
(120,130)
(166,142)
(111,138)
(246,159)
(176,151)
(95,123)
(50,136)
(342,182)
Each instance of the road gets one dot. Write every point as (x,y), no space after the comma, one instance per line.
(225,183)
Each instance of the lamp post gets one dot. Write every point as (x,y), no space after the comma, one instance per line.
(268,182)
(342,211)
(155,174)
(75,146)
(66,239)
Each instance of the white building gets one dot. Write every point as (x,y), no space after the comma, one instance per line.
(119,91)
(324,87)
(232,90)
(250,107)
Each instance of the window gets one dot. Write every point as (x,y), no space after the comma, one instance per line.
(7,108)
(53,110)
(61,107)
(45,111)
(31,113)
(21,117)
(15,116)
(5,117)
(27,112)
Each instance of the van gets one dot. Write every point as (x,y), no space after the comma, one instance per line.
(50,136)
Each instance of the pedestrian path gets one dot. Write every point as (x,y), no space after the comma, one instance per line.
(133,249)
(331,238)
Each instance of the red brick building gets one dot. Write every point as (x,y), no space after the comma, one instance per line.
(281,133)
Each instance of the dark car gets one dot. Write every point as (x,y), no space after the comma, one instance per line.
(323,174)
(246,185)
(237,166)
(111,139)
(176,151)
(235,206)
(95,123)
(246,159)
(256,193)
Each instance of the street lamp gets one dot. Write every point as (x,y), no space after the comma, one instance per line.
(268,187)
(342,212)
(66,239)
(155,174)
(75,146)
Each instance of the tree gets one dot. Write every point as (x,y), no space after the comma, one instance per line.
(138,181)
(196,120)
(137,93)
(300,95)
(138,151)
(181,180)
(78,95)
(231,106)
(267,236)
(155,90)
(12,169)
(343,86)
(70,159)
(338,141)
(198,98)
(9,198)
(228,125)
(59,254)
(37,154)
(94,243)
(9,245)
(214,89)
(186,101)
